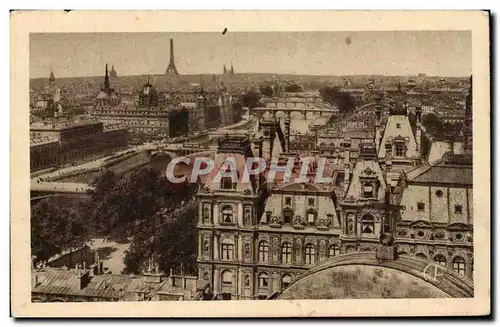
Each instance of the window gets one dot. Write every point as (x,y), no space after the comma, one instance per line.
(310,254)
(227,250)
(288,201)
(368,224)
(368,190)
(439,193)
(458,209)
(420,206)
(400,150)
(311,202)
(286,253)
(285,281)
(226,183)
(458,265)
(398,125)
(311,217)
(440,260)
(227,277)
(287,216)
(333,251)
(263,280)
(227,214)
(263,251)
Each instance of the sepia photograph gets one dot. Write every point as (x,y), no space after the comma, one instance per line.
(248,166)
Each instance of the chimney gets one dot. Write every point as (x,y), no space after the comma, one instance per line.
(388,156)
(287,133)
(347,164)
(82,279)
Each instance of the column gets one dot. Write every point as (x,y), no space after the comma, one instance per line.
(275,283)
(240,214)
(216,213)
(216,247)
(216,280)
(240,248)
(240,283)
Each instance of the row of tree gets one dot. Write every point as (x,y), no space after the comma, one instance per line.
(113,208)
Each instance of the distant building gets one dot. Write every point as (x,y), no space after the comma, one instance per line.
(113,73)
(55,142)
(107,97)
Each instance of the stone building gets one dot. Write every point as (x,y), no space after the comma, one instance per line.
(55,142)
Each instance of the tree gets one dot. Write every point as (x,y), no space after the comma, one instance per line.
(118,204)
(251,99)
(170,247)
(433,124)
(343,100)
(266,90)
(58,224)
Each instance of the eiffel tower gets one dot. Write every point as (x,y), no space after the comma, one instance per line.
(171,70)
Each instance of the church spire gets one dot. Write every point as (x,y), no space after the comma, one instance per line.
(52,78)
(106,79)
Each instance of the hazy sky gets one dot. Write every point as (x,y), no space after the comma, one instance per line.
(443,53)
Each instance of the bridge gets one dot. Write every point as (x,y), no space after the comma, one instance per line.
(42,190)
(436,279)
(259,111)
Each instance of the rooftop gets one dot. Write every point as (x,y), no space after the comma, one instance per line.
(451,169)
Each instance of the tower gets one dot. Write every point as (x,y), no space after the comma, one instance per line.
(467,126)
(171,70)
(232,69)
(52,79)
(113,73)
(106,79)
(224,69)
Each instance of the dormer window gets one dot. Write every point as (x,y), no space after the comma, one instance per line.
(368,190)
(227,183)
(311,202)
(399,149)
(288,201)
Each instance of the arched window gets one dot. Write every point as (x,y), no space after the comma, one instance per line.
(263,251)
(227,248)
(263,280)
(310,254)
(458,265)
(368,224)
(333,251)
(440,260)
(285,281)
(227,277)
(227,214)
(286,253)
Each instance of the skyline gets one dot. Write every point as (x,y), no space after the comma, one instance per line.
(434,53)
